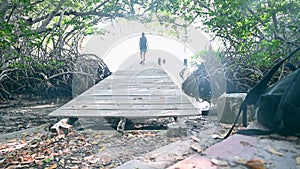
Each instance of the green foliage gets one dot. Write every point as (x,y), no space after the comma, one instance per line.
(203,56)
(253,34)
(256,32)
(47,160)
(42,37)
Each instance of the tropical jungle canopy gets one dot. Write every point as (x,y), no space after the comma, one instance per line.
(40,39)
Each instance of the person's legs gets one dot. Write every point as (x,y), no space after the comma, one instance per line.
(141,53)
(144,54)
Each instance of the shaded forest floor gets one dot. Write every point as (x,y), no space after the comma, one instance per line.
(25,142)
(24,114)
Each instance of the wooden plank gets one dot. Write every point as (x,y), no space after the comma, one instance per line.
(143,114)
(129,107)
(130,99)
(146,82)
(134,88)
(132,93)
(126,102)
(133,77)
(117,82)
(125,86)
(109,87)
(148,71)
(140,92)
(123,76)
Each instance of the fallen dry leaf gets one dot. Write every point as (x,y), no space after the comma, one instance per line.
(52,166)
(178,157)
(214,161)
(13,166)
(92,159)
(195,138)
(62,162)
(106,161)
(26,160)
(273,151)
(74,167)
(150,134)
(75,162)
(298,160)
(196,148)
(94,142)
(173,139)
(5,146)
(219,162)
(216,136)
(255,164)
(43,152)
(74,158)
(102,148)
(9,147)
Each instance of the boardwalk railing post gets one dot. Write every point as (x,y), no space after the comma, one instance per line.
(185,62)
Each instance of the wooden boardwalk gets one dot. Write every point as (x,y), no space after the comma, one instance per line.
(139,92)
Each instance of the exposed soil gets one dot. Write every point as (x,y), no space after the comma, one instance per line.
(18,116)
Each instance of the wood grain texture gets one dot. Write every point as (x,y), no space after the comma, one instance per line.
(141,92)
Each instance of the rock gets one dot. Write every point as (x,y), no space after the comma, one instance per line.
(135,164)
(235,146)
(173,130)
(106,161)
(228,106)
(177,129)
(194,161)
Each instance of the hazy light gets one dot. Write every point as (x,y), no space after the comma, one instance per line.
(128,46)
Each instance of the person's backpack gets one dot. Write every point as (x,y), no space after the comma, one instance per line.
(277,106)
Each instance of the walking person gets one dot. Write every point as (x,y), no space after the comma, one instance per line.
(143,48)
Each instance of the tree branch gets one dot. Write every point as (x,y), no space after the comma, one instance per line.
(254,14)
(50,16)
(275,24)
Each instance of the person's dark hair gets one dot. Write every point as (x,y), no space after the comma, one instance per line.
(143,33)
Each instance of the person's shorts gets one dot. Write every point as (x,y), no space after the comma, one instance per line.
(143,50)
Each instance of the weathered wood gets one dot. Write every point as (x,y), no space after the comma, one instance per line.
(134,98)
(134,114)
(124,102)
(129,107)
(133,93)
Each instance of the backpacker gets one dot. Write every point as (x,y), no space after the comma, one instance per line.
(277,106)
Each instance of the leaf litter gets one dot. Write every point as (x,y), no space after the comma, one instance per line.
(78,149)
